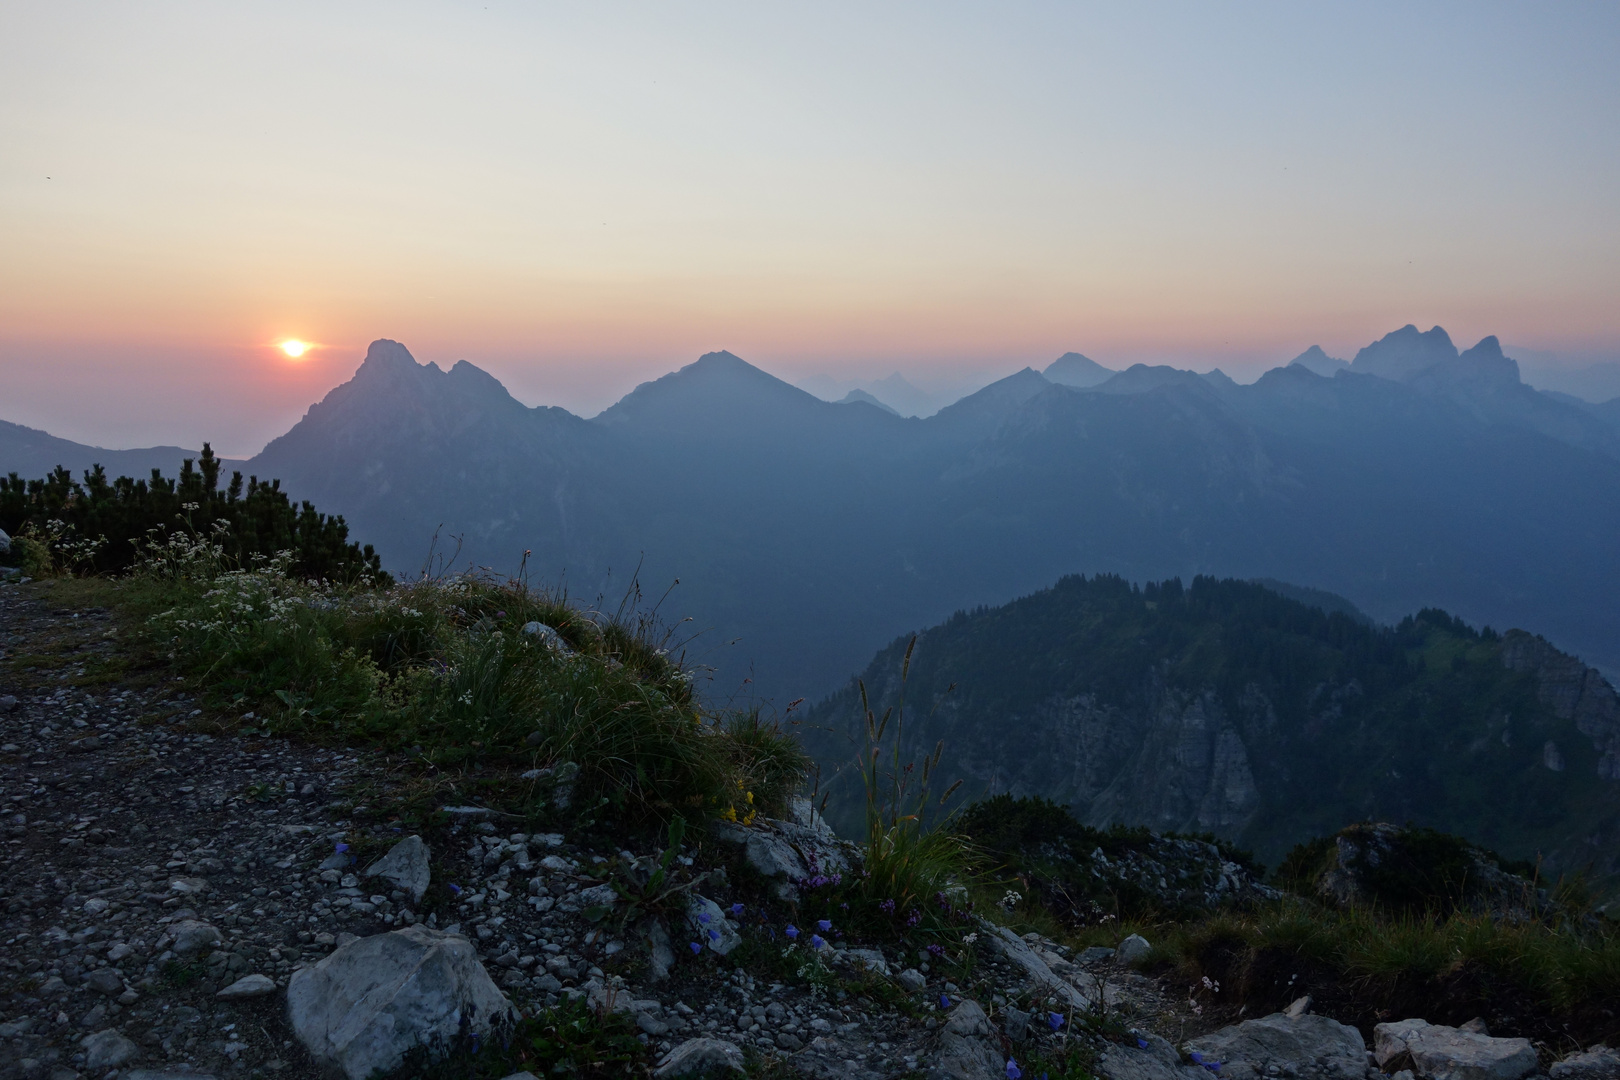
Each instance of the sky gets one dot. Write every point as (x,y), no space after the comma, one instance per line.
(582,197)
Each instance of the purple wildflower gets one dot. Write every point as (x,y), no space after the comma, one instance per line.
(936,950)
(887,907)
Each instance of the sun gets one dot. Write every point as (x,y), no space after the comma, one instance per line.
(295,349)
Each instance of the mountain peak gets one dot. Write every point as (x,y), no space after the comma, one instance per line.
(1404,353)
(1315,360)
(385,356)
(1077,370)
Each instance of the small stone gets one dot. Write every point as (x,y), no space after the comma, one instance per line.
(105,981)
(1093,954)
(406,865)
(1298,1008)
(107,1050)
(249,986)
(7,703)
(912,979)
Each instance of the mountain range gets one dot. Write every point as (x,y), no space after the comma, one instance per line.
(806,533)
(1226,707)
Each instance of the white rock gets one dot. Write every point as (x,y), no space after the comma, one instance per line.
(1446,1053)
(709,923)
(547,636)
(912,979)
(965,1051)
(1133,950)
(165,1074)
(698,1057)
(374,999)
(107,1050)
(1016,949)
(406,865)
(1245,1050)
(248,986)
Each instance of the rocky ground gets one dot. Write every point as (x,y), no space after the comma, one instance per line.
(166,877)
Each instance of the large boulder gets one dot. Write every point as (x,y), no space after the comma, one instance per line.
(1436,1052)
(700,1057)
(406,865)
(1317,1045)
(373,1000)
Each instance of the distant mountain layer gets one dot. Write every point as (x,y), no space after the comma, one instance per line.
(32,454)
(806,533)
(1226,707)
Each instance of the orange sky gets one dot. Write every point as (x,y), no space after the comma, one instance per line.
(581,200)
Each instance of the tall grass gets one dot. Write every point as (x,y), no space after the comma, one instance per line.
(916,867)
(445,669)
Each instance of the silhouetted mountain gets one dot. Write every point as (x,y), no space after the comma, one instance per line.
(1314,359)
(1073,369)
(862,397)
(1225,707)
(31,454)
(1404,353)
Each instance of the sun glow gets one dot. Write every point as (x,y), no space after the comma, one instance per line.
(295,349)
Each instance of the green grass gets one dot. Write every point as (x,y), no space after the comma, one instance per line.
(571,1039)
(1374,962)
(442,671)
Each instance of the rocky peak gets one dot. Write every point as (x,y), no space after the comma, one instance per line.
(1404,353)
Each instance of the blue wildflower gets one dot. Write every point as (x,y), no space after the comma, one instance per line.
(816,942)
(736,909)
(825,925)
(1054,1020)
(1013,1071)
(1143,1044)
(944,1002)
(696,948)
(791,931)
(703,917)
(714,935)
(455,888)
(340,848)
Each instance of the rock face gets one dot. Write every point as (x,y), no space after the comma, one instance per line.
(1315,1045)
(1573,691)
(373,1000)
(965,1048)
(1446,1053)
(406,865)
